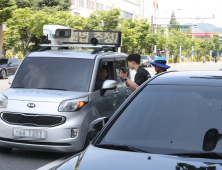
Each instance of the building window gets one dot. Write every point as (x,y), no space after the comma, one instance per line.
(73,2)
(87,4)
(97,6)
(81,3)
(102,7)
(126,15)
(93,5)
(76,13)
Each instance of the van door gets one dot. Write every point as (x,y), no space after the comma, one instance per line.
(108,101)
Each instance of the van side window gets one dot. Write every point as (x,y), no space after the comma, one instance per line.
(107,73)
(119,64)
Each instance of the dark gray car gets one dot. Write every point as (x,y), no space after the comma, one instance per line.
(172,121)
(8,66)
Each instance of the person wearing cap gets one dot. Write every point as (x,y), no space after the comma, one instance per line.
(141,76)
(160,65)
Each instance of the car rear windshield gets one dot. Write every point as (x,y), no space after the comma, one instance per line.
(171,119)
(70,74)
(3,61)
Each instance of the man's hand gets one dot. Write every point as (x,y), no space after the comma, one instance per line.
(122,75)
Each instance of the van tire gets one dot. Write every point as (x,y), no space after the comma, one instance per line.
(5,150)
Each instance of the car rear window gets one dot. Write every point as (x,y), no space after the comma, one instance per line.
(166,119)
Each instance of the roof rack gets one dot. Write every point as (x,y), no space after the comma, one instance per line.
(97,48)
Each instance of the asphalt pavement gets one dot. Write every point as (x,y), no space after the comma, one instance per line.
(31,160)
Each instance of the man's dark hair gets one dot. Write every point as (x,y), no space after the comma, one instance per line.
(134,57)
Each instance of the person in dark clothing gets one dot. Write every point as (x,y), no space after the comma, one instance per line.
(160,65)
(103,76)
(141,76)
(215,59)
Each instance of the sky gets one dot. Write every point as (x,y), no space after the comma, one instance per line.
(188,9)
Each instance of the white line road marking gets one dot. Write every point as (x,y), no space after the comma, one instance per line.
(56,162)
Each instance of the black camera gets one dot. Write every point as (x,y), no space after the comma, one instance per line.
(124,70)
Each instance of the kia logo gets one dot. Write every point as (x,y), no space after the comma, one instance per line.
(31,105)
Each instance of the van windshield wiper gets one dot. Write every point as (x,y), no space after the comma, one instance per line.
(199,154)
(121,147)
(53,89)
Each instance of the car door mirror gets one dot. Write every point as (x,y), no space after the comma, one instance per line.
(10,79)
(96,126)
(9,63)
(211,138)
(108,85)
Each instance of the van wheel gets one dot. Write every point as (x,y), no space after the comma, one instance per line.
(3,74)
(5,150)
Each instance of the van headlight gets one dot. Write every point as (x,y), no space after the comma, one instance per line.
(73,105)
(3,101)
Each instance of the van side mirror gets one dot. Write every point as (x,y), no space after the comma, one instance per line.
(95,126)
(108,85)
(10,79)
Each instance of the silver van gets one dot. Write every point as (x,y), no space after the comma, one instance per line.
(55,95)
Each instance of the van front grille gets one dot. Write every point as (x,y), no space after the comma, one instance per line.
(32,119)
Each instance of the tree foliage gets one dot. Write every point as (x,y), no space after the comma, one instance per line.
(62,5)
(6,9)
(25,31)
(20,56)
(23,26)
(9,54)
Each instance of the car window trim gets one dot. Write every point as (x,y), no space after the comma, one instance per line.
(115,74)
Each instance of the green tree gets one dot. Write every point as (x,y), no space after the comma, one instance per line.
(109,20)
(6,9)
(20,56)
(62,5)
(173,20)
(9,54)
(217,44)
(27,3)
(23,26)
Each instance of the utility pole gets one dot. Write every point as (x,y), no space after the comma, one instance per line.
(180,48)
(155,28)
(152,31)
(1,38)
(167,55)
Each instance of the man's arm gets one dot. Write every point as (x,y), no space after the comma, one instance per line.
(132,85)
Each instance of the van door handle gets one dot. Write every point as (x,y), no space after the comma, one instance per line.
(115,92)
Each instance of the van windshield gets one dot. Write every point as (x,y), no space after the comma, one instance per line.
(70,74)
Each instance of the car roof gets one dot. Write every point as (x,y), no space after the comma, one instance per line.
(85,54)
(191,78)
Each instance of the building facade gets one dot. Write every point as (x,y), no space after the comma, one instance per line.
(129,8)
